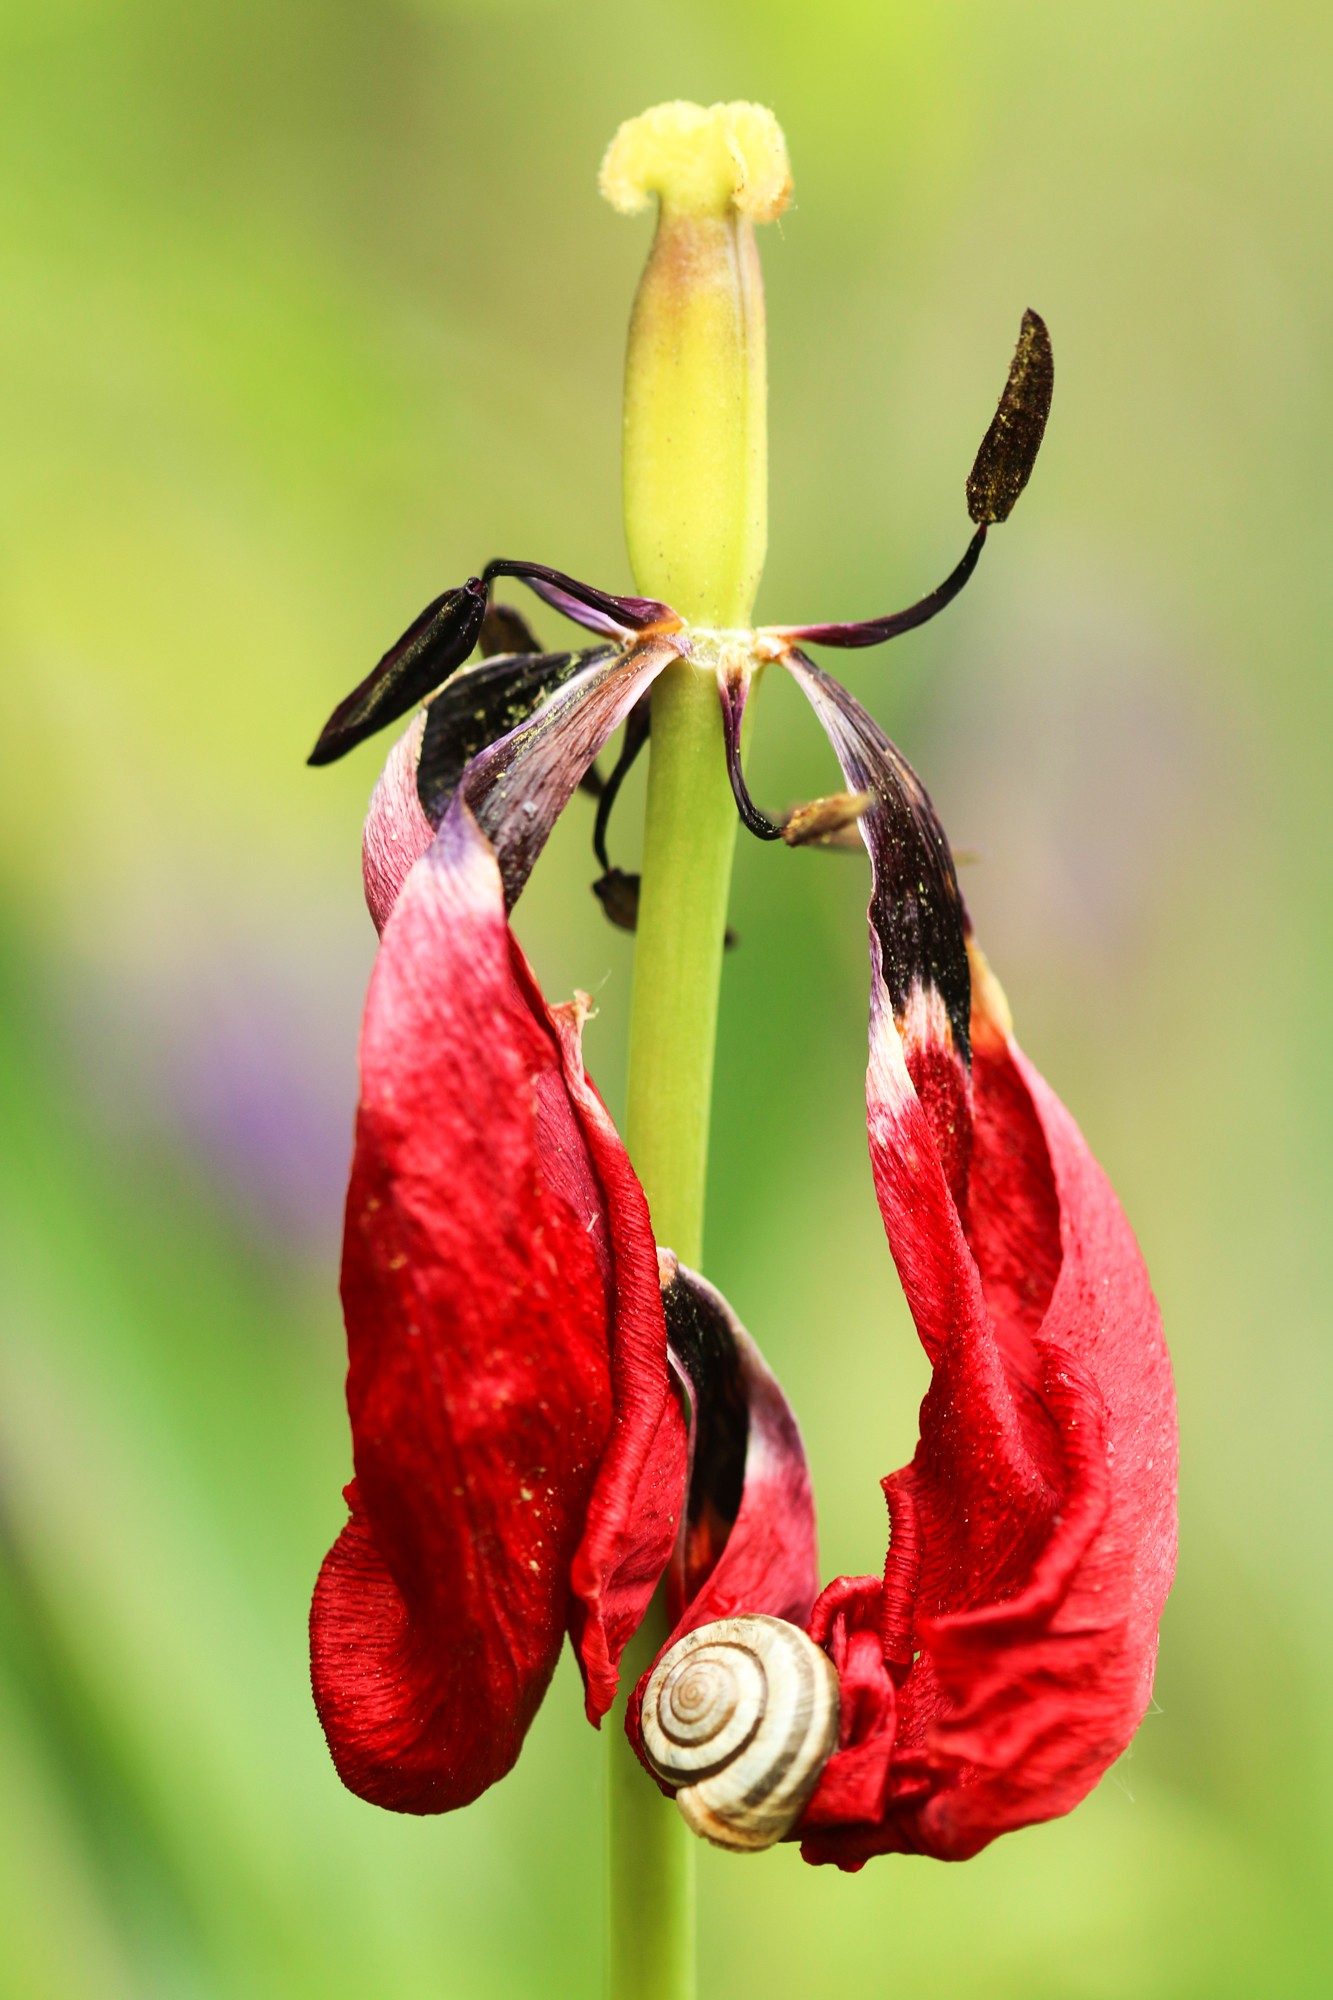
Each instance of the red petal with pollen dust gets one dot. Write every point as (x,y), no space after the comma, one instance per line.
(484,1277)
(1032,1538)
(1033,1535)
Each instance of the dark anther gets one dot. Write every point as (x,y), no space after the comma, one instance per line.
(618,894)
(440,640)
(434,644)
(1009,449)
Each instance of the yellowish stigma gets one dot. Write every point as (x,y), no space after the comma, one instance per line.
(701,161)
(696,384)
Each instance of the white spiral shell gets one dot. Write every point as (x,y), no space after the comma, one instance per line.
(742,1716)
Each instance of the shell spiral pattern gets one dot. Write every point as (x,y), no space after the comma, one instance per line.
(741,1716)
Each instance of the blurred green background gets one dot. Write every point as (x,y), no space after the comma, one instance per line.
(305,310)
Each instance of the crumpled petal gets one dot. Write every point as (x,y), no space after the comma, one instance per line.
(1033,1535)
(495,1266)
(846,1623)
(634,1513)
(747,1542)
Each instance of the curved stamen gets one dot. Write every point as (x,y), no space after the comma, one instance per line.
(637,725)
(617,889)
(1000,471)
(733,688)
(620,617)
(874,631)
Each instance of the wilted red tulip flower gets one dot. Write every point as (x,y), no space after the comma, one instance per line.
(549,1413)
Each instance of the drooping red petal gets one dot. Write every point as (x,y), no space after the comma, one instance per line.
(633,1514)
(1034,1532)
(598,610)
(1033,1535)
(1045,1689)
(747,1542)
(479,1287)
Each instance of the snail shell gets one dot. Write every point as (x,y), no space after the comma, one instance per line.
(741,1716)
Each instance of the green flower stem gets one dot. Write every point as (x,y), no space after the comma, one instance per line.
(695,470)
(690,836)
(689,840)
(650,1856)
